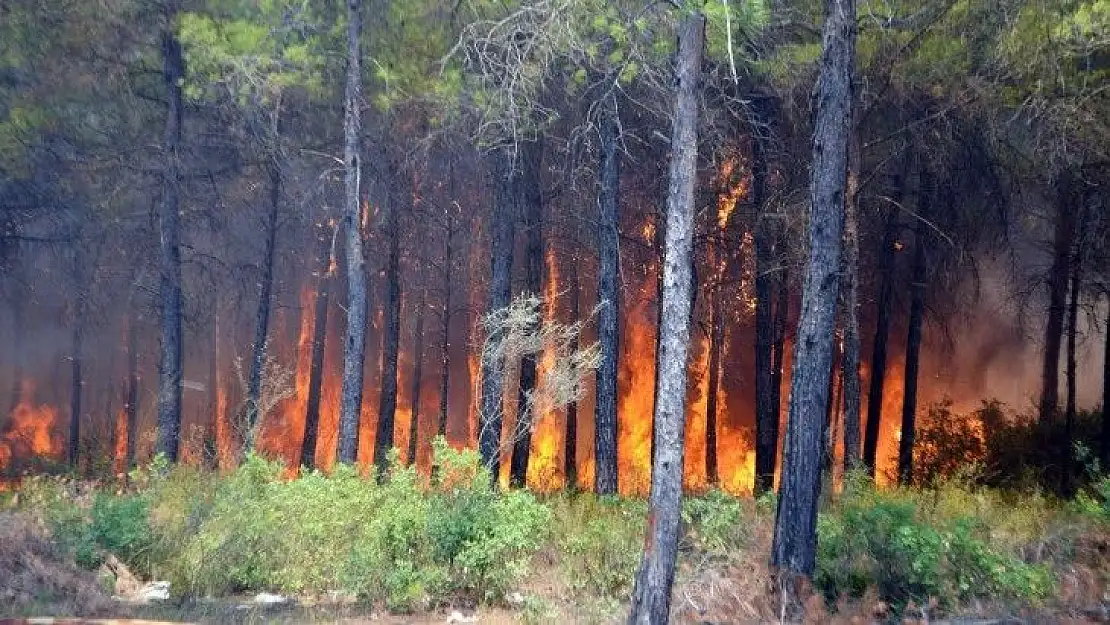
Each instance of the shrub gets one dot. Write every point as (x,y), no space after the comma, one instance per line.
(714,522)
(601,539)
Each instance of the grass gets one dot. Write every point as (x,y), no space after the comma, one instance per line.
(407,546)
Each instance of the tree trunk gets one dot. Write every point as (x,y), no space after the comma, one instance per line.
(132,387)
(445,329)
(77,381)
(651,598)
(1070,373)
(491,415)
(778,367)
(417,370)
(391,343)
(1057,295)
(883,306)
(319,341)
(795,540)
(766,404)
(913,339)
(262,316)
(354,344)
(1106,392)
(609,298)
(17,348)
(716,340)
(532,201)
(170,374)
(850,348)
(570,436)
(836,399)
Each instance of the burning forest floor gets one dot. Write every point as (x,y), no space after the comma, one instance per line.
(255,546)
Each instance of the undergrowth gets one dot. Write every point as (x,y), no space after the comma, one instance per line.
(409,543)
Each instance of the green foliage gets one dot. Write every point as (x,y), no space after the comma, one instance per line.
(121,525)
(600,539)
(714,522)
(887,540)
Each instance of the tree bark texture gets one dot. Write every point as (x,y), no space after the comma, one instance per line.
(609,296)
(913,338)
(570,433)
(795,538)
(319,342)
(1076,280)
(766,405)
(391,343)
(850,349)
(1057,294)
(651,597)
(354,343)
(170,374)
(262,316)
(883,312)
(417,372)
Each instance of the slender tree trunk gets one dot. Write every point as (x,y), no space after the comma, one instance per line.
(1057,295)
(570,436)
(1070,374)
(262,316)
(1106,392)
(716,340)
(391,343)
(651,598)
(795,540)
(766,404)
(491,415)
(850,349)
(879,346)
(445,330)
(532,200)
(354,344)
(417,370)
(778,367)
(77,381)
(836,402)
(132,387)
(609,297)
(913,339)
(170,374)
(319,341)
(17,348)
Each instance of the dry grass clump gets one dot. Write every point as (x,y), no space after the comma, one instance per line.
(38,578)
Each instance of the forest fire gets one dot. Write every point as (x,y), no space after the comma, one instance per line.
(32,431)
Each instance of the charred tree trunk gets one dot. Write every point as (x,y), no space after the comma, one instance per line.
(170,375)
(795,539)
(132,387)
(391,343)
(832,413)
(491,415)
(913,338)
(850,349)
(354,344)
(77,381)
(651,598)
(17,356)
(716,340)
(608,321)
(1070,372)
(570,435)
(262,316)
(1106,392)
(445,329)
(319,341)
(1057,295)
(532,205)
(778,365)
(879,346)
(766,403)
(417,371)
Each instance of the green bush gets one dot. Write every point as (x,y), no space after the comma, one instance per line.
(883,539)
(714,522)
(121,525)
(600,539)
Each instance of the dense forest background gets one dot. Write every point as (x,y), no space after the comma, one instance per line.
(182,257)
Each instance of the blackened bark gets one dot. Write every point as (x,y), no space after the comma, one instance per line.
(354,344)
(608,320)
(913,338)
(417,371)
(882,333)
(833,411)
(319,341)
(491,415)
(532,206)
(170,375)
(716,339)
(16,355)
(77,381)
(391,343)
(778,367)
(445,328)
(570,434)
(262,315)
(1057,295)
(850,348)
(795,540)
(132,387)
(1070,373)
(766,402)
(651,598)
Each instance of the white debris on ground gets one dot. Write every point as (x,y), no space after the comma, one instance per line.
(459,617)
(154,591)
